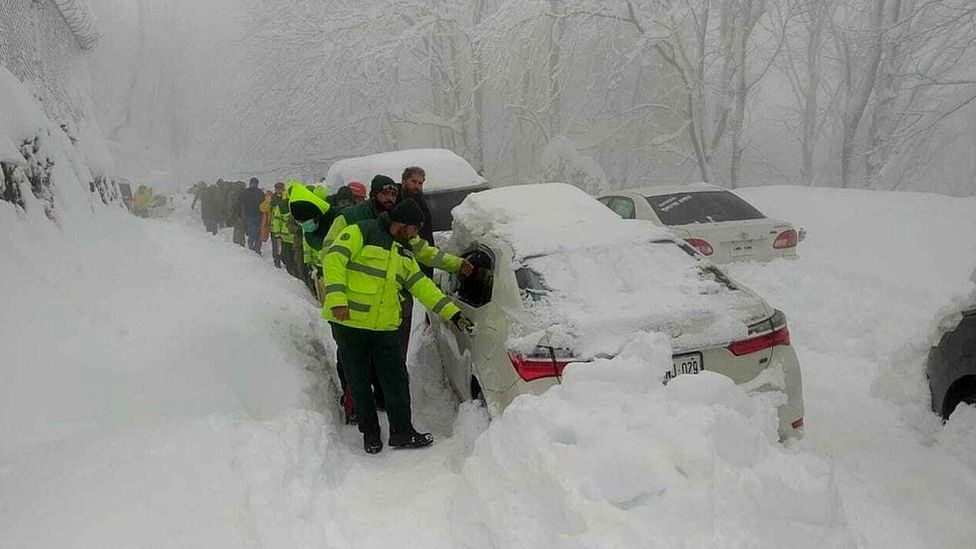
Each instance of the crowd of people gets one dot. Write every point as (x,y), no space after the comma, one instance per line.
(365,256)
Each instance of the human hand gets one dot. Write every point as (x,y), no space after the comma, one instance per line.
(340,313)
(462,323)
(467,268)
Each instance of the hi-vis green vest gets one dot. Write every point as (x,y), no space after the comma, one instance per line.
(424,253)
(365,269)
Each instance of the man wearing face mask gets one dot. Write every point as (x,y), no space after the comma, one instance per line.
(366,269)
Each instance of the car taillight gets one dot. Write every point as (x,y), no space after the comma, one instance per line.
(542,362)
(758,343)
(786,239)
(798,424)
(702,246)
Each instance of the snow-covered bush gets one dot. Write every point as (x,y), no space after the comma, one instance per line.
(561,161)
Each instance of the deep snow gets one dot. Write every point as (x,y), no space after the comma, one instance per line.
(164,388)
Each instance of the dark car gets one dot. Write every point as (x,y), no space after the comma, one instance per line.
(951,367)
(442,202)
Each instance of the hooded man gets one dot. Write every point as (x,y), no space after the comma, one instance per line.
(366,270)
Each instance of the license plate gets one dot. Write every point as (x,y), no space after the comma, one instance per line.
(684,364)
(741,248)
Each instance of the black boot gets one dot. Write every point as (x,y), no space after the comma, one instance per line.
(372,443)
(411,439)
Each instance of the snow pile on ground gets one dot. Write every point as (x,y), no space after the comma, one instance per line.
(876,272)
(614,458)
(444,169)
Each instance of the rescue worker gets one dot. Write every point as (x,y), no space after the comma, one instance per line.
(251,201)
(265,208)
(280,233)
(142,201)
(383,197)
(366,268)
(309,210)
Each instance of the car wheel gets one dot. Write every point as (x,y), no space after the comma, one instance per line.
(963,391)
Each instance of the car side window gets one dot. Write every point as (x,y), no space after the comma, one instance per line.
(475,290)
(623,206)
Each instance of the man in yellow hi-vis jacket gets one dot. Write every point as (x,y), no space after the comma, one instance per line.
(366,268)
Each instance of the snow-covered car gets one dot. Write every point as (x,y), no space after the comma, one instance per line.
(950,367)
(715,221)
(449,177)
(561,279)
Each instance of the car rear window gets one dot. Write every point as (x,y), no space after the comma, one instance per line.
(441,204)
(702,207)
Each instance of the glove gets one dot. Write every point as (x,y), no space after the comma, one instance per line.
(462,323)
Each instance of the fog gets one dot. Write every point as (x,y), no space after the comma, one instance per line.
(603,94)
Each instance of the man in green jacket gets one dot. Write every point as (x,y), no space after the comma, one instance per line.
(366,268)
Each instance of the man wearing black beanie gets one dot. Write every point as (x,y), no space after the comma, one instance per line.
(366,270)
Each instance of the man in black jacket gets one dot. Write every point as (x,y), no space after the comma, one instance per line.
(251,201)
(412,186)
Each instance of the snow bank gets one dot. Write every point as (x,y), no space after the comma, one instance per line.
(42,168)
(444,169)
(612,458)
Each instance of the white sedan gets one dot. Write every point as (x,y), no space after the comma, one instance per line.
(716,222)
(570,282)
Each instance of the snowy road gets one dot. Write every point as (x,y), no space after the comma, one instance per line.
(164,389)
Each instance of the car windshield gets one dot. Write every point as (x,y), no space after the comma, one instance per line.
(441,204)
(702,207)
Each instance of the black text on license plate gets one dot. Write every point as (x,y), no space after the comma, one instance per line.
(684,364)
(741,248)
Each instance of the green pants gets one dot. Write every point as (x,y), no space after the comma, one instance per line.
(356,346)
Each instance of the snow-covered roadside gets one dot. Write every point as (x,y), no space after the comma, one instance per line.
(872,278)
(185,406)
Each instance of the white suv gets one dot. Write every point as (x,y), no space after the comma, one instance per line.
(561,279)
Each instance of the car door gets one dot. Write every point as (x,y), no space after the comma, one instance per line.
(459,350)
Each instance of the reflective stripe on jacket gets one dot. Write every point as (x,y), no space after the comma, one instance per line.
(424,253)
(365,270)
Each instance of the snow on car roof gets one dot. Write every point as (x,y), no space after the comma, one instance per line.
(672,188)
(605,279)
(546,217)
(445,169)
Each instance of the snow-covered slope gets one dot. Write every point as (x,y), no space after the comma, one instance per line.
(162,388)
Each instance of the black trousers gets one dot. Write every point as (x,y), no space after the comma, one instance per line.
(356,347)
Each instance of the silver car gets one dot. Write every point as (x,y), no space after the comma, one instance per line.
(522,344)
(715,221)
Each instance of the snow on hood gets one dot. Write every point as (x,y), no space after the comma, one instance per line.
(594,280)
(444,169)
